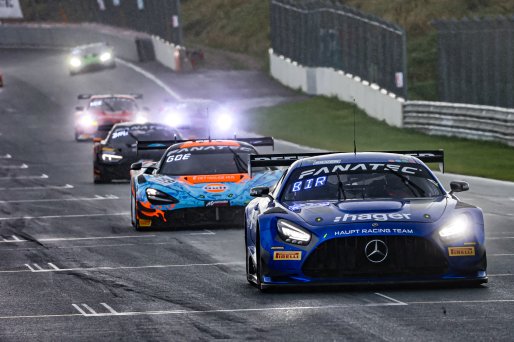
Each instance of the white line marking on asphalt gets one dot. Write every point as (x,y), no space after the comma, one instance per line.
(53,266)
(22,166)
(42,176)
(16,239)
(60,216)
(206,232)
(87,307)
(391,299)
(79,309)
(500,254)
(151,77)
(6,156)
(96,198)
(66,186)
(113,268)
(501,275)
(111,310)
(499,237)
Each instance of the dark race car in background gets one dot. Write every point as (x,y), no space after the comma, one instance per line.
(197,183)
(361,218)
(90,57)
(199,118)
(114,155)
(103,111)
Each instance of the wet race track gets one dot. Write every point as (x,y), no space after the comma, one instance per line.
(73,268)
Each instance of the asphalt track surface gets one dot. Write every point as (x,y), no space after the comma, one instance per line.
(72,268)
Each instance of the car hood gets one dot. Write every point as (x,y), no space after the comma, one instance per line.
(415,210)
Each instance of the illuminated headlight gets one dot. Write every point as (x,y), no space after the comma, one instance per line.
(458,227)
(75,62)
(158,197)
(87,121)
(174,119)
(105,57)
(223,121)
(292,233)
(111,157)
(140,118)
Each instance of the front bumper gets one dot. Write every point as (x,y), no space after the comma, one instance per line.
(226,217)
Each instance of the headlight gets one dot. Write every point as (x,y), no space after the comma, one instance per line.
(292,233)
(458,227)
(106,56)
(223,122)
(158,197)
(111,157)
(140,118)
(174,119)
(87,121)
(75,62)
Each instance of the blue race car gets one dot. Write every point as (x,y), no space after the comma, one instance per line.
(360,218)
(196,183)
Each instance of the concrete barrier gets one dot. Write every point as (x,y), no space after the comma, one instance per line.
(167,54)
(376,102)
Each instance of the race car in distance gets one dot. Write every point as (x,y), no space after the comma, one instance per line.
(199,118)
(114,155)
(103,111)
(196,183)
(91,56)
(360,218)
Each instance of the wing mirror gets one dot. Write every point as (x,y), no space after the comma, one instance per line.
(79,108)
(459,186)
(260,191)
(136,166)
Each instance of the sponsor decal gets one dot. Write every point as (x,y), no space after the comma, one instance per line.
(461,251)
(374,217)
(217,203)
(215,188)
(145,223)
(298,206)
(118,134)
(373,231)
(284,256)
(277,247)
(164,180)
(361,167)
(178,157)
(324,162)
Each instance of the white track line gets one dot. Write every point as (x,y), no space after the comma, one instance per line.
(39,269)
(18,240)
(206,232)
(111,310)
(22,166)
(391,299)
(79,309)
(499,238)
(96,198)
(49,187)
(151,77)
(60,216)
(43,176)
(88,308)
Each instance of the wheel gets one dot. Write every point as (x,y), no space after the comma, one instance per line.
(258,267)
(101,179)
(250,268)
(133,214)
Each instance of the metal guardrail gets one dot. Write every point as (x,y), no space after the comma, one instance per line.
(460,120)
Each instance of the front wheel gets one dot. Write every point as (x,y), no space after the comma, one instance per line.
(133,214)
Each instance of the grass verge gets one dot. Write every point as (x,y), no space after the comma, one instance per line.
(328,124)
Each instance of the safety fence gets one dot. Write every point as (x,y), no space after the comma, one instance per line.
(155,17)
(318,33)
(460,120)
(476,61)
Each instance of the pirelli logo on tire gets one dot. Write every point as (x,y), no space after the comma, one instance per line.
(285,256)
(461,251)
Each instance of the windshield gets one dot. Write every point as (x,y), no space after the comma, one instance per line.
(355,181)
(128,135)
(114,104)
(206,160)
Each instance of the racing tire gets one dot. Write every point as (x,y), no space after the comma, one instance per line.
(133,215)
(248,261)
(259,285)
(101,179)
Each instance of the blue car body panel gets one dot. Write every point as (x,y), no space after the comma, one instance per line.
(342,231)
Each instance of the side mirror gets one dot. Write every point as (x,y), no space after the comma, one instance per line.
(260,191)
(79,108)
(97,140)
(136,166)
(458,186)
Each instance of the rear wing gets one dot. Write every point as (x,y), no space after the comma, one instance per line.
(88,96)
(269,160)
(164,144)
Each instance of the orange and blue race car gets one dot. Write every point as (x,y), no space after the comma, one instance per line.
(103,111)
(196,183)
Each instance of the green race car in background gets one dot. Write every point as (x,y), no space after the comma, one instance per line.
(91,56)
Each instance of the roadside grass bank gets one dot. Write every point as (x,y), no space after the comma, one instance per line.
(327,123)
